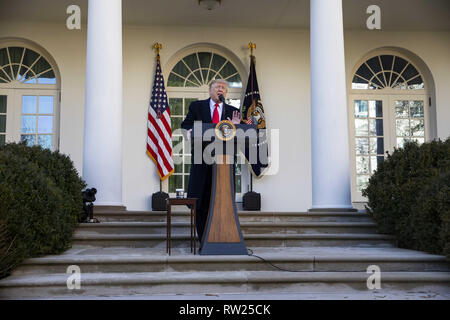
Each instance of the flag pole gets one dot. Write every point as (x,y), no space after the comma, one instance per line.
(159,199)
(251,46)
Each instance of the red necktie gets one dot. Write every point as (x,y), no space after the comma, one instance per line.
(215,118)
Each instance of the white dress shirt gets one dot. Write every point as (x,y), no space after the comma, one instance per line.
(212,106)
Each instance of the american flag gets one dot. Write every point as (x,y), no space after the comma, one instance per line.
(159,130)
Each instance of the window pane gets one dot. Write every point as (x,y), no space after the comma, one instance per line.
(176,123)
(361,109)
(41,66)
(181,69)
(175,182)
(47,78)
(16,54)
(187,164)
(191,61)
(401,109)
(376,127)
(4,76)
(177,144)
(373,164)
(417,128)
(3,57)
(362,145)
(15,71)
(377,145)
(402,127)
(29,104)
(235,81)
(45,141)
(46,104)
(30,57)
(374,64)
(361,127)
(228,70)
(399,64)
(362,182)
(205,59)
(2,139)
(30,139)
(217,62)
(364,72)
(417,109)
(409,72)
(175,81)
(416,83)
(359,83)
(386,61)
(3,123)
(192,82)
(3,100)
(176,106)
(28,124)
(362,165)
(178,164)
(45,124)
(186,182)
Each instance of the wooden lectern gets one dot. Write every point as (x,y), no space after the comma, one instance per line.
(222,235)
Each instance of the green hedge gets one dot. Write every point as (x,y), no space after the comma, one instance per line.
(408,196)
(40,196)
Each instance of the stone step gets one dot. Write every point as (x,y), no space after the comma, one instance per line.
(185,262)
(110,284)
(81,240)
(246,227)
(244,216)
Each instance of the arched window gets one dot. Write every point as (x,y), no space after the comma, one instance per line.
(29,96)
(200,68)
(25,66)
(191,72)
(387,104)
(384,71)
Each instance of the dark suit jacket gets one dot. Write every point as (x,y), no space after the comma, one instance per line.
(200,111)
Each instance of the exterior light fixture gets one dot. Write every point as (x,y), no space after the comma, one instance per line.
(209,4)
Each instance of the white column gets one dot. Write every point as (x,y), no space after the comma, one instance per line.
(329,129)
(102,156)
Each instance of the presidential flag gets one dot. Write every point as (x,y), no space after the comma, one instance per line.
(159,130)
(253,113)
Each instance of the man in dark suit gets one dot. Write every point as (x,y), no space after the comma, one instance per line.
(211,110)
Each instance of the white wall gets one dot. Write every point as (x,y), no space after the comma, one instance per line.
(283,76)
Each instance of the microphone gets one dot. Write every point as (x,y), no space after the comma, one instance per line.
(221,98)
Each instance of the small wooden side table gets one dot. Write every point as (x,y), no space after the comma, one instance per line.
(179,202)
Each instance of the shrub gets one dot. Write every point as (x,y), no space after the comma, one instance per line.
(40,193)
(408,196)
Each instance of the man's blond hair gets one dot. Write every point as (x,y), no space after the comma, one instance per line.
(225,82)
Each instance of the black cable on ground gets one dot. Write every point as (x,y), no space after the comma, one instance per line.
(250,254)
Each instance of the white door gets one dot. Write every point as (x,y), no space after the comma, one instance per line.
(31,116)
(380,123)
